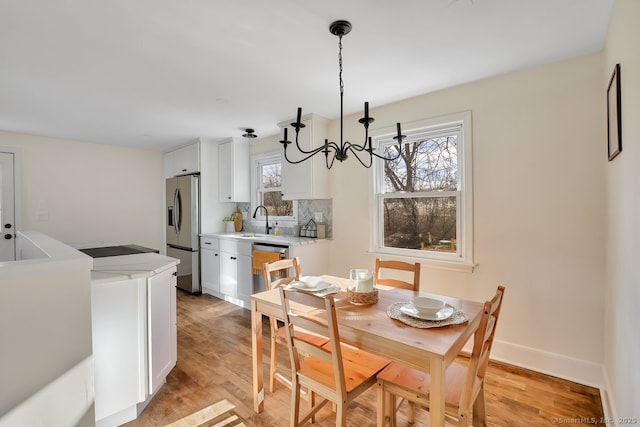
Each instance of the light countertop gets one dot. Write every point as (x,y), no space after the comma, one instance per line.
(265,238)
(125,267)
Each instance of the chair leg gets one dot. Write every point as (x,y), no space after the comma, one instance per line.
(411,412)
(341,415)
(295,403)
(392,409)
(273,366)
(381,410)
(479,408)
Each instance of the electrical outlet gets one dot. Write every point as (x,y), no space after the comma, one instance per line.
(318,216)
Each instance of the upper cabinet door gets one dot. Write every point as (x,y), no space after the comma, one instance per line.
(184,160)
(233,170)
(309,179)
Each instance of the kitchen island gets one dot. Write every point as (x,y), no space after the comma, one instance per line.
(133,312)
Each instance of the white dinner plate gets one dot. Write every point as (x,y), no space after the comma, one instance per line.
(310,286)
(444,313)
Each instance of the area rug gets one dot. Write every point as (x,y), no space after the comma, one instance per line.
(219,414)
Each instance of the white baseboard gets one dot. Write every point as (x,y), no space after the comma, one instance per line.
(557,365)
(565,367)
(608,407)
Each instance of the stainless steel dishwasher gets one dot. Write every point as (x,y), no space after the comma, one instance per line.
(258,279)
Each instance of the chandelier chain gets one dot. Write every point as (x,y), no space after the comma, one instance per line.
(340,64)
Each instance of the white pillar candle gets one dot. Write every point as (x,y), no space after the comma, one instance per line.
(362,280)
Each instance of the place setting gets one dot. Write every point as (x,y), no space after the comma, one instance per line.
(314,285)
(425,312)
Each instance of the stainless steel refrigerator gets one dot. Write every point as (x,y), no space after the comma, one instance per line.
(183,228)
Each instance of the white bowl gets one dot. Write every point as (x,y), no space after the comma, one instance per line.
(427,306)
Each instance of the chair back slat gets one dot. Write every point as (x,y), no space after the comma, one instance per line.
(282,272)
(398,266)
(317,315)
(309,323)
(304,347)
(482,343)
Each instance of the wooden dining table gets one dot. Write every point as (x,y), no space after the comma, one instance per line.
(369,328)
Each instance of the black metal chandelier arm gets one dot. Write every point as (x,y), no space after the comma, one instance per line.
(326,148)
(348,146)
(309,154)
(326,159)
(384,157)
(357,156)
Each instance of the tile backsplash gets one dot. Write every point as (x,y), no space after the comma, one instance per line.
(306,211)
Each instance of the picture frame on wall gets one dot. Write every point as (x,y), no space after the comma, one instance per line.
(614,124)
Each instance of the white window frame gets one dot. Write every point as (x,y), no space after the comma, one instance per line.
(463,258)
(256,186)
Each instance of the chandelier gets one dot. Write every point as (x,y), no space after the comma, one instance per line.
(332,151)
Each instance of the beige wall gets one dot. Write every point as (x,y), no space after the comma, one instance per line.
(538,209)
(622,346)
(91,192)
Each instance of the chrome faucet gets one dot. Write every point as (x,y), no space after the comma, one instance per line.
(266,213)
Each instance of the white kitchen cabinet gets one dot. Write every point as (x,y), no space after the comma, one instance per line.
(309,179)
(236,278)
(119,326)
(233,170)
(184,160)
(162,332)
(210,266)
(134,333)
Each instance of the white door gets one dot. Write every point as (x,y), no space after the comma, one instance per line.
(7,208)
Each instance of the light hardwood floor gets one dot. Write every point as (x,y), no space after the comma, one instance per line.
(214,363)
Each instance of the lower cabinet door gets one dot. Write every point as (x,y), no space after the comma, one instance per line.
(161,303)
(118,345)
(229,274)
(210,266)
(245,280)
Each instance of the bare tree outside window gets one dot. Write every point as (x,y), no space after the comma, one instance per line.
(270,190)
(420,193)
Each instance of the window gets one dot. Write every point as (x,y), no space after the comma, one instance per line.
(267,189)
(424,200)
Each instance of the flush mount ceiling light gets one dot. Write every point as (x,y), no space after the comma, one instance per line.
(249,133)
(332,150)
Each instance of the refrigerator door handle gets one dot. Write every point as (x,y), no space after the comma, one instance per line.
(177,211)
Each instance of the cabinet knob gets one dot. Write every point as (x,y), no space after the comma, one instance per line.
(215,254)
(234,258)
(8,236)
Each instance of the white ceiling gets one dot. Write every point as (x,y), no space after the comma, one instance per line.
(158,73)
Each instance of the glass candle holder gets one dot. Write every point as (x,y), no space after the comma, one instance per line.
(361,280)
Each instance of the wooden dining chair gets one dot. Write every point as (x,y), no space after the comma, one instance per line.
(335,372)
(277,274)
(464,395)
(402,266)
